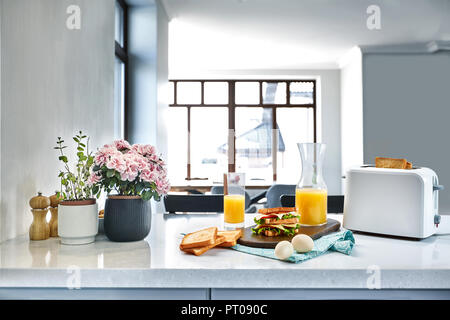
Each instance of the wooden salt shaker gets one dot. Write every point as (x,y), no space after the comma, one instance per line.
(39,229)
(54,202)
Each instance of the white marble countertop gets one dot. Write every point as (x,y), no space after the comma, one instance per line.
(157,262)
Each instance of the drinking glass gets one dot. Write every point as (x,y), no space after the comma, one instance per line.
(234,200)
(311,192)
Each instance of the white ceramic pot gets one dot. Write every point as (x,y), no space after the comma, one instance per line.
(77,222)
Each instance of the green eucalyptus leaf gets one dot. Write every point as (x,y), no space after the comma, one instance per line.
(63,159)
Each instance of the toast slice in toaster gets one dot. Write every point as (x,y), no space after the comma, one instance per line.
(391,163)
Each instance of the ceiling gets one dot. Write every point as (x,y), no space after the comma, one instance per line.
(291,34)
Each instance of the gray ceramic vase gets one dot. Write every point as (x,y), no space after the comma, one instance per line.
(127,218)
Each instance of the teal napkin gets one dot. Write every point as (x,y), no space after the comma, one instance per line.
(341,241)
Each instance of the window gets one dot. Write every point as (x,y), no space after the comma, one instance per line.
(249,126)
(120,68)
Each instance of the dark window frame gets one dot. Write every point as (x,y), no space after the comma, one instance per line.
(232,105)
(121,52)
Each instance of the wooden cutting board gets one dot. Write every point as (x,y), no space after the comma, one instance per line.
(259,241)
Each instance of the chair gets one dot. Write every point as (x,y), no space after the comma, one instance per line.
(335,204)
(249,201)
(275,192)
(193,203)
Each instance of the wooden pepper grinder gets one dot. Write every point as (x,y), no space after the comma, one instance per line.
(39,229)
(54,202)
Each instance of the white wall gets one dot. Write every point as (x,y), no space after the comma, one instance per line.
(329,111)
(407,111)
(55,81)
(351,111)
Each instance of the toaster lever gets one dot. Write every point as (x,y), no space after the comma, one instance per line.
(437,219)
(438,187)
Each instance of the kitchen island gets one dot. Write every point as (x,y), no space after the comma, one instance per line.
(155,268)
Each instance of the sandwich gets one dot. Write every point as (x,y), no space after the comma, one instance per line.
(282,221)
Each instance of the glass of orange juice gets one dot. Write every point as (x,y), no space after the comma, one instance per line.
(311,192)
(234,200)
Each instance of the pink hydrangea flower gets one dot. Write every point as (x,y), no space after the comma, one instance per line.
(153,157)
(148,176)
(117,163)
(149,149)
(102,156)
(100,159)
(138,148)
(162,187)
(133,163)
(122,145)
(129,174)
(141,162)
(93,179)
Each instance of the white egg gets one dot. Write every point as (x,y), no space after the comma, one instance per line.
(302,243)
(283,250)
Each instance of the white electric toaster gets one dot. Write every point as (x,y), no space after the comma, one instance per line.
(395,202)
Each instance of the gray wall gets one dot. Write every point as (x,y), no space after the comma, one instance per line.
(148,77)
(162,94)
(407,111)
(1,220)
(54,81)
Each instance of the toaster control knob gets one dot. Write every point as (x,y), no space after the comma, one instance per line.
(437,220)
(438,187)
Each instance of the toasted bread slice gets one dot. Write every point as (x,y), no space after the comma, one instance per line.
(199,238)
(391,163)
(228,244)
(408,165)
(230,234)
(201,250)
(231,237)
(276,210)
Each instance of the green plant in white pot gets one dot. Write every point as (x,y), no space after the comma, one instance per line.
(77,213)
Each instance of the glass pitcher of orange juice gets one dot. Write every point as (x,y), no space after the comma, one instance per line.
(311,191)
(234,200)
